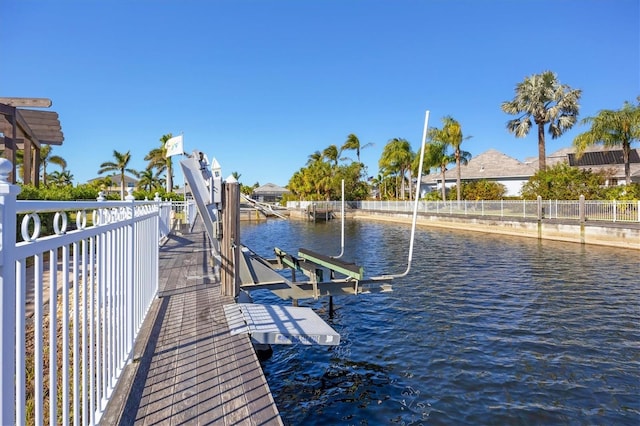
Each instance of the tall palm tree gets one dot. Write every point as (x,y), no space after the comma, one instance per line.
(148,180)
(120,165)
(46,158)
(158,159)
(316,156)
(332,153)
(543,98)
(397,157)
(437,155)
(353,143)
(613,128)
(452,131)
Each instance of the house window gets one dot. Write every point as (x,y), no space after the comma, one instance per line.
(613,182)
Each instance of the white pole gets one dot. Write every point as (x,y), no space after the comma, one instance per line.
(415,205)
(342,224)
(8,194)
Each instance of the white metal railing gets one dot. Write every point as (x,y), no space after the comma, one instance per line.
(72,302)
(581,210)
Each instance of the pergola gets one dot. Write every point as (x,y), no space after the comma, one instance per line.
(27,130)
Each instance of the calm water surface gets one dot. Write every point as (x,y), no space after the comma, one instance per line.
(485,329)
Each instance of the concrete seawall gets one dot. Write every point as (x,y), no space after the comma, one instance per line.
(623,235)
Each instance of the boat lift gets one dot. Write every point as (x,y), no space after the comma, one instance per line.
(325,275)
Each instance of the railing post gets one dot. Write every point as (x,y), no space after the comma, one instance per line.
(131,260)
(615,210)
(540,208)
(8,194)
(230,244)
(581,210)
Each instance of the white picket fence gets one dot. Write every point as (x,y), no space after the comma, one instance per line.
(580,210)
(72,302)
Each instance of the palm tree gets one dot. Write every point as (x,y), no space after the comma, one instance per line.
(158,159)
(120,165)
(63,178)
(316,156)
(353,143)
(437,156)
(397,157)
(46,158)
(452,131)
(332,154)
(148,180)
(236,176)
(612,128)
(320,174)
(543,98)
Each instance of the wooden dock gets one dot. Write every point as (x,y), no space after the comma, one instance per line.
(188,368)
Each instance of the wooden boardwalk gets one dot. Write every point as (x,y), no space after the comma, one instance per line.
(188,368)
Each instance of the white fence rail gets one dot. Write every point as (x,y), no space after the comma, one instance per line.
(72,302)
(580,210)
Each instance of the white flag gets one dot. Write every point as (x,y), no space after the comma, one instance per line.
(174,146)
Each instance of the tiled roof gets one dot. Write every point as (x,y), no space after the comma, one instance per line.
(491,164)
(270,188)
(495,165)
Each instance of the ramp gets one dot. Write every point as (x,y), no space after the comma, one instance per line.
(279,325)
(193,174)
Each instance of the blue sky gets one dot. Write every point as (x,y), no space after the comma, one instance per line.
(260,84)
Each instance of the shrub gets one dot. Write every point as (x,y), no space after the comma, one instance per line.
(563,182)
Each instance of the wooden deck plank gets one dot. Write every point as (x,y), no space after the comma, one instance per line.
(193,370)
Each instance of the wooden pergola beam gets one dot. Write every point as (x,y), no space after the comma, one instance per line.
(31,129)
(27,102)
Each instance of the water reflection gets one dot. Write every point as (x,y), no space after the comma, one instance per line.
(485,329)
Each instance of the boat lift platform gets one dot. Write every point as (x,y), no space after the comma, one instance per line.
(283,325)
(326,276)
(265,324)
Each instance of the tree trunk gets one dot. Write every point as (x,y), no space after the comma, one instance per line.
(458,175)
(444,189)
(626,152)
(169,177)
(122,186)
(542,156)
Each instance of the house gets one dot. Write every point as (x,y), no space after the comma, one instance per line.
(599,158)
(269,193)
(494,166)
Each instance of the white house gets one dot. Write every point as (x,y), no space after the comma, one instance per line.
(492,166)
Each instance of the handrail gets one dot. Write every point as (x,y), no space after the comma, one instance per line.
(101,279)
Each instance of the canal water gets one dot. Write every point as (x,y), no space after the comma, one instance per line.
(485,329)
